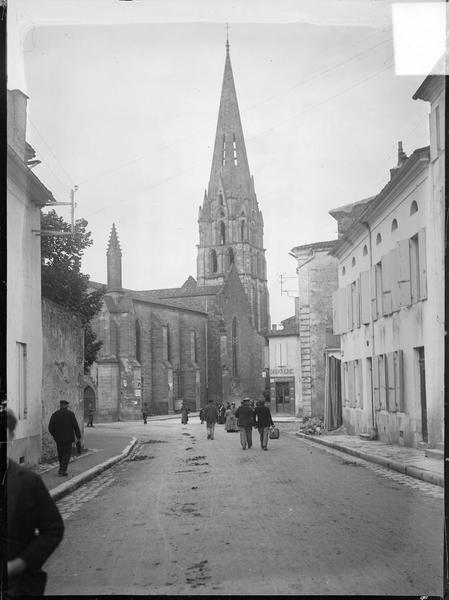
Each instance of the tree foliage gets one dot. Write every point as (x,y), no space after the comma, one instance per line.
(62,280)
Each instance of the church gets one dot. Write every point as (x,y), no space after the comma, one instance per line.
(204,340)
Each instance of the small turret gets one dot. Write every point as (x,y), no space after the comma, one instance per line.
(114,257)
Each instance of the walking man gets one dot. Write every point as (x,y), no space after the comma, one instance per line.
(245,421)
(145,412)
(211,417)
(263,422)
(63,426)
(90,414)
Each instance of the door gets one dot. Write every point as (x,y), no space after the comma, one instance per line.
(89,397)
(422,393)
(283,403)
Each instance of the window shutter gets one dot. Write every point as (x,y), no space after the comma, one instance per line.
(351,392)
(394,275)
(349,307)
(422,294)
(382,383)
(336,327)
(373,294)
(364,297)
(399,380)
(391,396)
(405,292)
(356,305)
(343,310)
(360,390)
(376,391)
(344,382)
(386,285)
(278,355)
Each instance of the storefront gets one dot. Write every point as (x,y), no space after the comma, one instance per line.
(282,390)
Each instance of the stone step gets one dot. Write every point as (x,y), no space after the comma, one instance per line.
(434,453)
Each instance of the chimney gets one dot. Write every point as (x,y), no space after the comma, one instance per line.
(274,327)
(16,121)
(402,157)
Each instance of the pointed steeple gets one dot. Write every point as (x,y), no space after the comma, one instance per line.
(229,161)
(114,256)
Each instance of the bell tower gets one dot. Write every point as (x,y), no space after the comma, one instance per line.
(114,261)
(230,221)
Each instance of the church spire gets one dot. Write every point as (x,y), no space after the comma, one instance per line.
(114,257)
(229,162)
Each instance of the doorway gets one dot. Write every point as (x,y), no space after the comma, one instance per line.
(422,393)
(89,397)
(283,403)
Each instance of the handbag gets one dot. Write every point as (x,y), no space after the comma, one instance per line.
(274,433)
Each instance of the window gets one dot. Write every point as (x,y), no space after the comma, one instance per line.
(193,346)
(394,225)
(365,250)
(224,151)
(222,233)
(22,388)
(378,239)
(354,309)
(242,230)
(281,354)
(231,256)
(343,271)
(235,345)
(165,342)
(213,261)
(413,207)
(353,261)
(220,199)
(235,151)
(378,277)
(138,342)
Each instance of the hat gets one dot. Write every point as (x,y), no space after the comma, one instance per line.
(246,399)
(63,402)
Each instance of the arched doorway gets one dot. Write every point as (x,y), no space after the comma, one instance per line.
(89,397)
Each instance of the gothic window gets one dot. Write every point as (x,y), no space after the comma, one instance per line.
(213,261)
(224,150)
(235,151)
(413,207)
(220,199)
(165,343)
(378,239)
(193,346)
(138,342)
(242,230)
(222,233)
(353,261)
(394,225)
(365,250)
(231,256)
(235,344)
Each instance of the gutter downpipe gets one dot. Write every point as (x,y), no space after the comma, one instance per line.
(366,224)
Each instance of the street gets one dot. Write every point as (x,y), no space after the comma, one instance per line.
(185,515)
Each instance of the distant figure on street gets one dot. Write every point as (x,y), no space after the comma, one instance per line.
(202,415)
(263,422)
(221,414)
(35,527)
(90,414)
(245,420)
(211,417)
(231,421)
(63,426)
(184,414)
(145,412)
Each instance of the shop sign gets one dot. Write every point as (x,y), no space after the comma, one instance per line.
(281,371)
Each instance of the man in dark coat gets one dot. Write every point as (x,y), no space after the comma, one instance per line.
(63,426)
(245,420)
(211,417)
(35,527)
(90,414)
(263,422)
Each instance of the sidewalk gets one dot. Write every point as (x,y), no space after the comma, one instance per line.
(410,461)
(104,448)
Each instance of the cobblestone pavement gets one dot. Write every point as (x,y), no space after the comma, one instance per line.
(73,502)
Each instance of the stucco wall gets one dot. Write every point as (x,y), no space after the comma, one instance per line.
(63,367)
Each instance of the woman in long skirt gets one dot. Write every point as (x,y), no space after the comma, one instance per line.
(231,421)
(184,415)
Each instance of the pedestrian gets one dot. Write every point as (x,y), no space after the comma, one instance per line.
(202,415)
(245,421)
(35,526)
(221,414)
(63,426)
(90,414)
(184,414)
(231,421)
(263,422)
(145,412)
(211,417)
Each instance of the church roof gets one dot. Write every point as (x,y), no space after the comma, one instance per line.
(229,161)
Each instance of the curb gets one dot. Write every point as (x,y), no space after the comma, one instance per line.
(410,470)
(65,488)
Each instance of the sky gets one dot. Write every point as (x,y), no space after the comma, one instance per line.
(123,102)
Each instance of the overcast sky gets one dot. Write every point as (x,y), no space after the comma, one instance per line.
(128,113)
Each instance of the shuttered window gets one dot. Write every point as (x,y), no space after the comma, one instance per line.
(376,387)
(422,291)
(399,380)
(340,311)
(349,307)
(386,275)
(391,389)
(378,272)
(373,294)
(394,277)
(403,263)
(351,384)
(364,297)
(358,383)
(382,382)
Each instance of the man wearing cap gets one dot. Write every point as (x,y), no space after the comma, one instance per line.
(263,422)
(211,417)
(63,426)
(245,421)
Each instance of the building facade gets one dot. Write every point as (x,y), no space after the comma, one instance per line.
(285,368)
(384,311)
(317,274)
